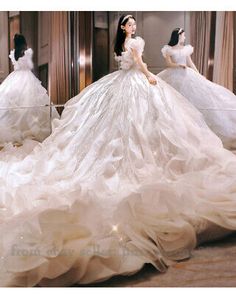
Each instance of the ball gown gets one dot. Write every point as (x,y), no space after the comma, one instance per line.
(22,104)
(216,103)
(130,175)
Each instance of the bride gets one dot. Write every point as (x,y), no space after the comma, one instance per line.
(23,113)
(130,175)
(213,101)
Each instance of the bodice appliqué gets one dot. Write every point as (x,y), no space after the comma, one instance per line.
(126,60)
(178,55)
(23,63)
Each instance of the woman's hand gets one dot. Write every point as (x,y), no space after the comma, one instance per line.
(152,80)
(183,66)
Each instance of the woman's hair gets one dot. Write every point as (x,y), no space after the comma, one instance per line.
(20,46)
(120,34)
(174,39)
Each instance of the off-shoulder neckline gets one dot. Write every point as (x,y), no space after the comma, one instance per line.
(178,48)
(130,39)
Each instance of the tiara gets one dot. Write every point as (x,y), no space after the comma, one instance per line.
(180,30)
(127,16)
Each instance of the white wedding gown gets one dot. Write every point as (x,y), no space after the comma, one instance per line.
(19,90)
(216,103)
(131,174)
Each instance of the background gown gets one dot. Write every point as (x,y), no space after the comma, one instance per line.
(216,103)
(22,89)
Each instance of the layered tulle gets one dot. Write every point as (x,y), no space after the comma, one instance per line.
(131,174)
(24,104)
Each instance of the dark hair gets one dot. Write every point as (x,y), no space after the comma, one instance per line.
(174,39)
(120,35)
(20,46)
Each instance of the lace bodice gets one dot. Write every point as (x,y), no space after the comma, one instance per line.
(178,55)
(126,60)
(23,63)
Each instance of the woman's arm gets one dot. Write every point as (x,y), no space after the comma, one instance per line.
(172,64)
(191,64)
(138,59)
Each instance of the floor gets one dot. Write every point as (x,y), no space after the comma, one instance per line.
(211,265)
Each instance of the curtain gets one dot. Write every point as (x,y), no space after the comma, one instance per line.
(59,66)
(212,35)
(201,29)
(224,50)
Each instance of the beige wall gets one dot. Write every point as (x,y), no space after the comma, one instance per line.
(4,59)
(155,28)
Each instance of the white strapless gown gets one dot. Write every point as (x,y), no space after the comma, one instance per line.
(216,103)
(131,174)
(19,90)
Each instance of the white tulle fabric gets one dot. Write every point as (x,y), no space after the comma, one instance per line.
(216,103)
(127,177)
(126,61)
(22,89)
(23,63)
(178,54)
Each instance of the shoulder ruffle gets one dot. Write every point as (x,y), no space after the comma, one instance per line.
(166,50)
(29,52)
(11,56)
(138,44)
(188,49)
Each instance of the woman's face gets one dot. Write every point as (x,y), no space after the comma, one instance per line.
(182,37)
(129,27)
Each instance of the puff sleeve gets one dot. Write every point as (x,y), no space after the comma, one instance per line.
(166,50)
(137,44)
(12,57)
(188,49)
(28,57)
